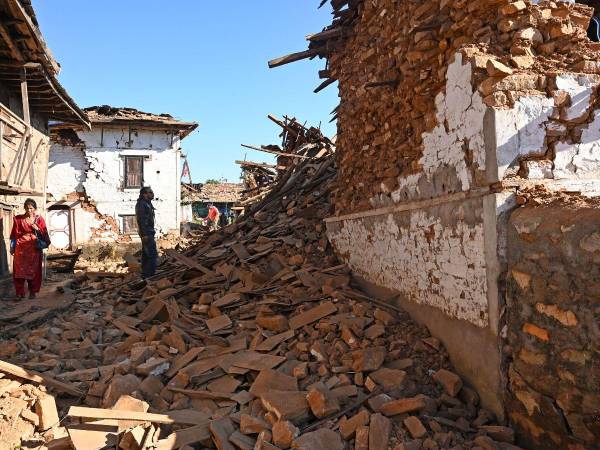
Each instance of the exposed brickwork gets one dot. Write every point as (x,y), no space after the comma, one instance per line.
(394,64)
(553,296)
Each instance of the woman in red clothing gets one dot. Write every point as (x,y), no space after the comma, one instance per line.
(24,246)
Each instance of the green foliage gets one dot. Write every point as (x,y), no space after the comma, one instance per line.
(212,181)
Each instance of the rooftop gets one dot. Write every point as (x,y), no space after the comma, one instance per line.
(106,114)
(22,48)
(211,192)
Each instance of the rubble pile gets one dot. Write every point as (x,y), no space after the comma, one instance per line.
(298,143)
(254,339)
(26,412)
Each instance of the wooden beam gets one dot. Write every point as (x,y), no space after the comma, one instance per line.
(188,262)
(324,84)
(254,164)
(43,50)
(326,34)
(293,58)
(376,84)
(30,163)
(25,97)
(283,125)
(40,378)
(23,157)
(14,50)
(67,101)
(15,161)
(1,145)
(115,414)
(266,150)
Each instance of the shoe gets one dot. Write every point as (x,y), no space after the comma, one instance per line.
(31,296)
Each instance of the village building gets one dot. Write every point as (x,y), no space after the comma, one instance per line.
(95,175)
(468,158)
(195,198)
(30,96)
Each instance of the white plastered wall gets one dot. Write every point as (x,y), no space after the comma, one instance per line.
(440,237)
(98,170)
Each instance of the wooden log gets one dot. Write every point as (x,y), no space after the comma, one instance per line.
(115,414)
(324,84)
(30,162)
(325,35)
(255,164)
(266,150)
(40,379)
(25,97)
(293,57)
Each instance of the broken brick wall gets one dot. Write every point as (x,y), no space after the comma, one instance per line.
(90,165)
(448,109)
(393,68)
(553,330)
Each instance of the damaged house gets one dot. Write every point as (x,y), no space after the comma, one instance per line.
(95,175)
(468,189)
(30,96)
(196,197)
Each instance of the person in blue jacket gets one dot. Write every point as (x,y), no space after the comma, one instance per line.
(144,213)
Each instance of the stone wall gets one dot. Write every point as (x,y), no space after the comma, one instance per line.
(395,63)
(553,294)
(449,111)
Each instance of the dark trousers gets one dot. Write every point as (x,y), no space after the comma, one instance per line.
(149,257)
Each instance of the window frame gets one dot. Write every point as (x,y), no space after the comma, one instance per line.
(126,159)
(134,229)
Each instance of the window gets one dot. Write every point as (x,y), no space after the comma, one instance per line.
(129,224)
(134,171)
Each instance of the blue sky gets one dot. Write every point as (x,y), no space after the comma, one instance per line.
(199,60)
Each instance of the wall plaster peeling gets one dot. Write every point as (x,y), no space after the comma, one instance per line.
(580,160)
(445,162)
(521,131)
(435,257)
(455,149)
(98,170)
(580,88)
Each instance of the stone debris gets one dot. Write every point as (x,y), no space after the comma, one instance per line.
(254,338)
(28,413)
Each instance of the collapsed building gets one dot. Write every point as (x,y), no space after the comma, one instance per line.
(254,337)
(468,153)
(95,175)
(30,96)
(298,143)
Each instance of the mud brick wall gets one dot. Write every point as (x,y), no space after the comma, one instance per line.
(553,324)
(394,65)
(449,111)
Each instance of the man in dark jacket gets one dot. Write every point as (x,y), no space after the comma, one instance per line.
(144,213)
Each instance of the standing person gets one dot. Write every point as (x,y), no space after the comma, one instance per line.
(29,236)
(144,213)
(213,217)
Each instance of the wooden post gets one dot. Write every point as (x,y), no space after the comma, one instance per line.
(30,163)
(1,145)
(25,97)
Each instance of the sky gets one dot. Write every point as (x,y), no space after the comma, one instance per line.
(198,60)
